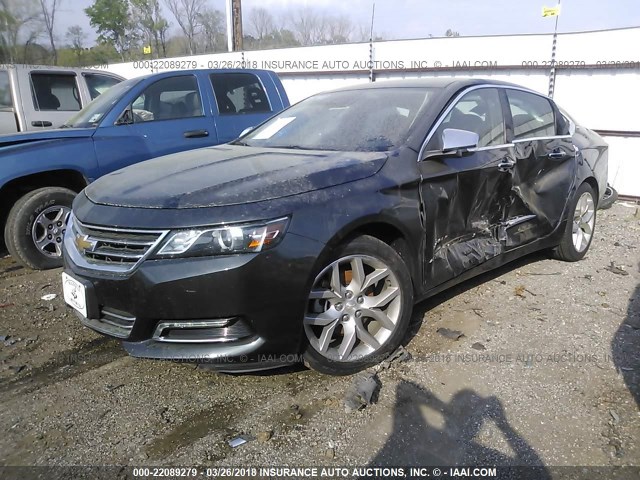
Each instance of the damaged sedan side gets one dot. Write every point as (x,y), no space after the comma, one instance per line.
(316,233)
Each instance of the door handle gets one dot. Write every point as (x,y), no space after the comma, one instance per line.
(196,134)
(41,123)
(557,155)
(506,164)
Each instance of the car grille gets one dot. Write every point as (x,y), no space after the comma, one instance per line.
(111,249)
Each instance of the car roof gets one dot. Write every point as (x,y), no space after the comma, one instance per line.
(452,83)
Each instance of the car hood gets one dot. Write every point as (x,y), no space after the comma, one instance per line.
(44,136)
(230,175)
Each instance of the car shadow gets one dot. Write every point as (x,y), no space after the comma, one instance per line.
(625,346)
(430,432)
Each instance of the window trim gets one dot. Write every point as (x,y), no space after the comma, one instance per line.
(471,88)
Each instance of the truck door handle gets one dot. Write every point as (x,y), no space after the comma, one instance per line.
(557,154)
(41,123)
(506,164)
(196,134)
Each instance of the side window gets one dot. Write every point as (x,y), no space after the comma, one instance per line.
(532,115)
(238,93)
(479,111)
(55,92)
(5,90)
(98,84)
(168,99)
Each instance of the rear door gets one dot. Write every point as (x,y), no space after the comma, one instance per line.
(49,98)
(545,168)
(243,100)
(465,198)
(167,117)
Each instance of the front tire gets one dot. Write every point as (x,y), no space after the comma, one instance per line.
(358,309)
(581,224)
(36,225)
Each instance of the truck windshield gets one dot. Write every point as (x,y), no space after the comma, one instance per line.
(91,115)
(373,119)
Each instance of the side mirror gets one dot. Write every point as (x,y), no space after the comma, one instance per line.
(126,118)
(458,141)
(245,131)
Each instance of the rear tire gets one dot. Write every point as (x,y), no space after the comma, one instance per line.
(358,309)
(35,227)
(609,198)
(581,223)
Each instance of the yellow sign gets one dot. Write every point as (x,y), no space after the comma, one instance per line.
(550,11)
(146,49)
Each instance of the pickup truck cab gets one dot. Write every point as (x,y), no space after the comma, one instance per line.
(133,121)
(34,98)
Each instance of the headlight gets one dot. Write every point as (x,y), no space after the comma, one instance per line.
(225,240)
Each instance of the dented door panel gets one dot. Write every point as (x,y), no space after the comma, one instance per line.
(543,179)
(465,201)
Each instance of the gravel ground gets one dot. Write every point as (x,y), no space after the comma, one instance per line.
(546,373)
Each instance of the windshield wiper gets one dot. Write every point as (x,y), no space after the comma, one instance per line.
(290,147)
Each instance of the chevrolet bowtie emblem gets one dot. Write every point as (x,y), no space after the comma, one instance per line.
(84,244)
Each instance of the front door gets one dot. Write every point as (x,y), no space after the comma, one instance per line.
(167,117)
(465,198)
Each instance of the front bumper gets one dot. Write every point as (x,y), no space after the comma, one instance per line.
(237,312)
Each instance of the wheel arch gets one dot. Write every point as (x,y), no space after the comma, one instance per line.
(17,187)
(387,230)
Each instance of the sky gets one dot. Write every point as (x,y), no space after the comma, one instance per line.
(398,19)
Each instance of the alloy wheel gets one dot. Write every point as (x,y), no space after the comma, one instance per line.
(48,230)
(583,222)
(354,307)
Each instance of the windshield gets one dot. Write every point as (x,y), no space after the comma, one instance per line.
(92,114)
(369,120)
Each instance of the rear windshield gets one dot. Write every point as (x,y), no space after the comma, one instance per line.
(376,119)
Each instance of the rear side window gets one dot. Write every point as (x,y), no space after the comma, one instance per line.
(238,93)
(5,90)
(169,99)
(98,84)
(55,92)
(532,115)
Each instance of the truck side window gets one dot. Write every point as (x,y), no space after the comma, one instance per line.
(51,91)
(169,98)
(5,90)
(98,84)
(238,93)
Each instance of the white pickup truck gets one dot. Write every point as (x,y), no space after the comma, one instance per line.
(34,97)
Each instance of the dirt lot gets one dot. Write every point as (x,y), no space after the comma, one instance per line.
(547,373)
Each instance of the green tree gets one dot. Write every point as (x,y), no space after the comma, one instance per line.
(153,26)
(113,21)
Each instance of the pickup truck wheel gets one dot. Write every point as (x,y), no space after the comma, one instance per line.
(35,227)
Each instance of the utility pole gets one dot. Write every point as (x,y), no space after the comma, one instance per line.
(237,26)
